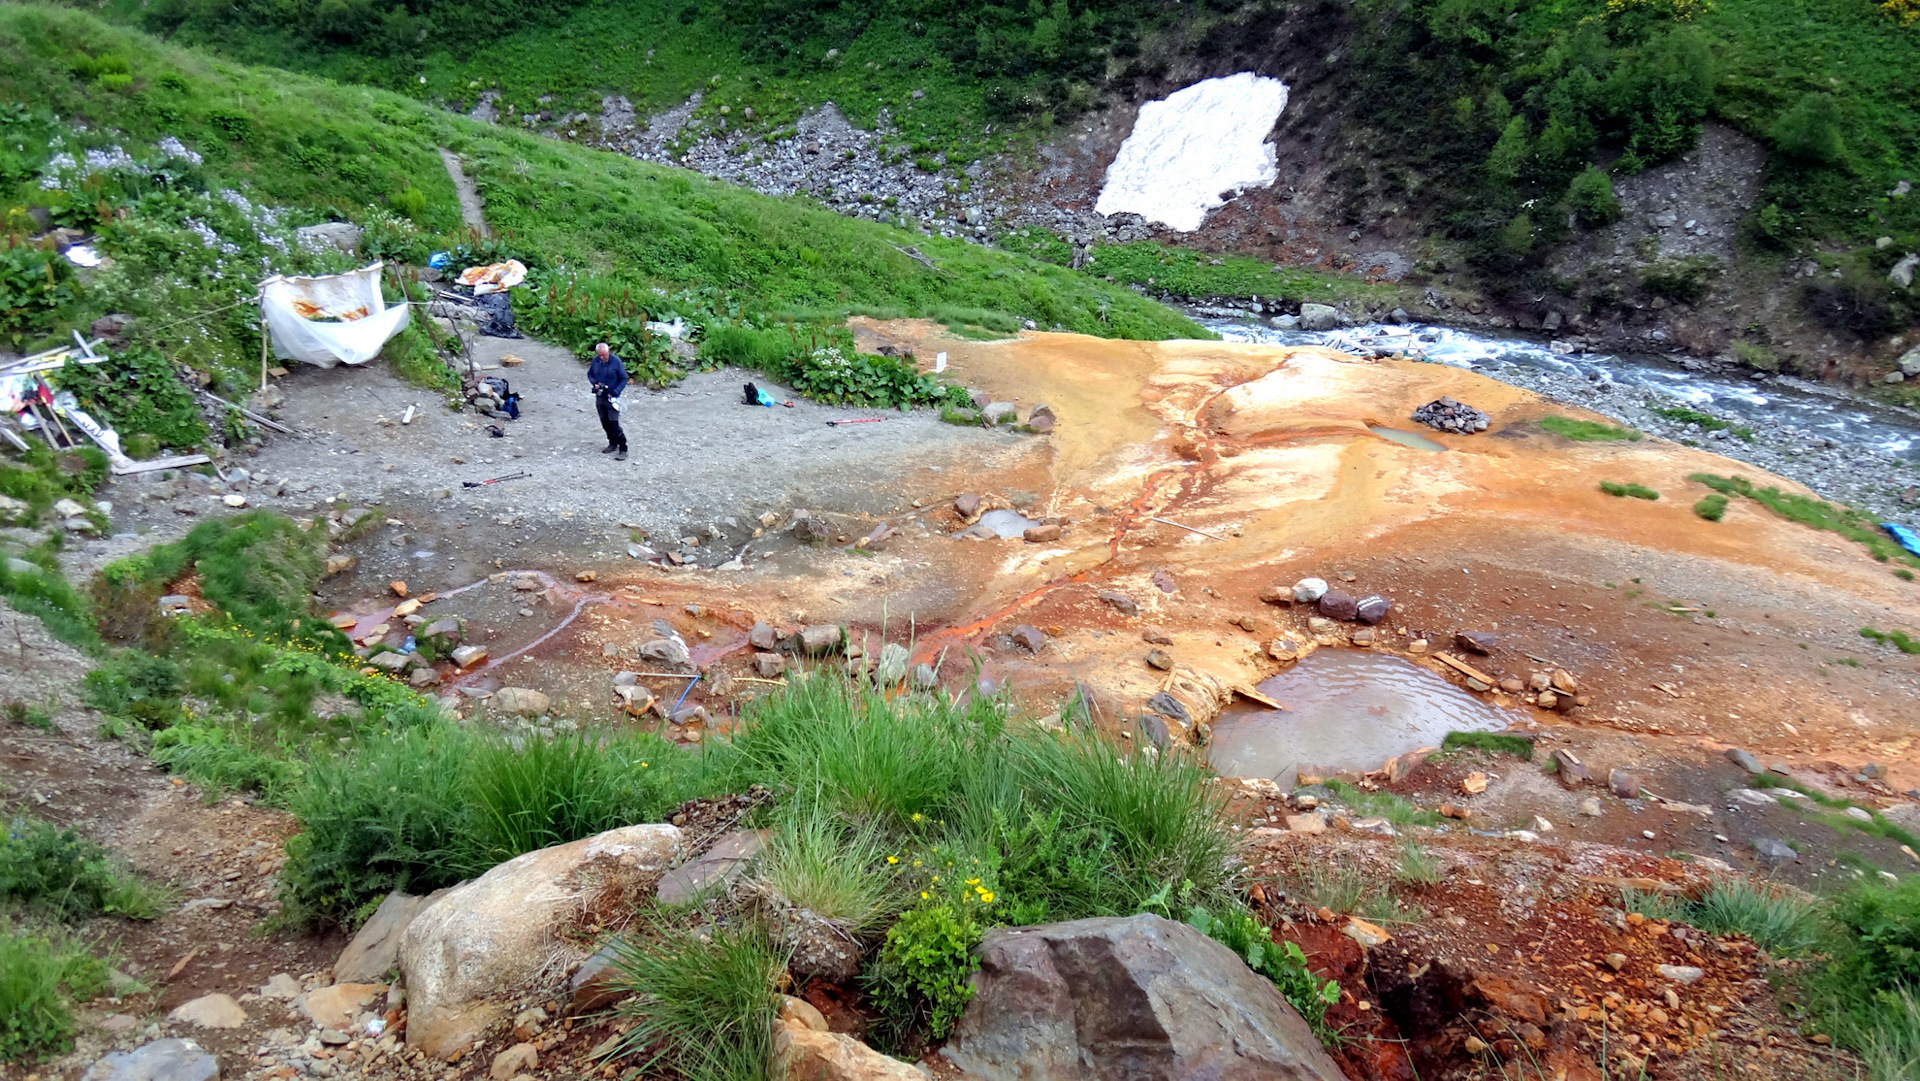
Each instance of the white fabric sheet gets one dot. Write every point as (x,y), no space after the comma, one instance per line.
(301,316)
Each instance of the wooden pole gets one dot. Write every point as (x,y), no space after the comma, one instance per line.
(263,352)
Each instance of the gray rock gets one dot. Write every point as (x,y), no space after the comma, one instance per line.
(443,633)
(1141,998)
(763,637)
(725,861)
(811,530)
(667,652)
(375,948)
(996,412)
(966,504)
(1902,272)
(892,668)
(1316,317)
(924,677)
(1309,590)
(161,1060)
(769,665)
(519,700)
(1745,760)
(390,660)
(1480,642)
(468,656)
(1159,658)
(339,235)
(1372,608)
(1122,603)
(1774,852)
(595,984)
(1909,362)
(821,638)
(1031,637)
(1168,706)
(20,566)
(1041,419)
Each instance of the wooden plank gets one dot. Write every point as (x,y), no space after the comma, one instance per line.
(1464,668)
(126,466)
(1249,693)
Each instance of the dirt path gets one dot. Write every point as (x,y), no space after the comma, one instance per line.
(470,209)
(219,859)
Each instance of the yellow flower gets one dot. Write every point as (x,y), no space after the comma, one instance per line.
(973,882)
(643,765)
(917,816)
(986,897)
(916,863)
(924,895)
(893,859)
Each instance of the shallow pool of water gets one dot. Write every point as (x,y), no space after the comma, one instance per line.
(1007,524)
(1405,439)
(1346,709)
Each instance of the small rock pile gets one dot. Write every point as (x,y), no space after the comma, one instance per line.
(1447,415)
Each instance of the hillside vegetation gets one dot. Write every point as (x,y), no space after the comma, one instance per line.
(194,172)
(1494,111)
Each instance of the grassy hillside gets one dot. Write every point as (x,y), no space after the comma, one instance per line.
(194,170)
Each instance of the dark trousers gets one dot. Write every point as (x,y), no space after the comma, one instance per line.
(610,421)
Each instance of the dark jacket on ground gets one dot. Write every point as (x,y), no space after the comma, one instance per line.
(609,373)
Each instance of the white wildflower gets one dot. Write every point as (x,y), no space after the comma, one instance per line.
(174,148)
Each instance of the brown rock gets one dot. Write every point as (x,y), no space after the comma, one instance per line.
(1159,659)
(399,588)
(1624,784)
(1474,783)
(595,985)
(1279,593)
(967,505)
(769,665)
(1563,682)
(583,576)
(1041,419)
(1042,534)
(763,637)
(1448,810)
(1547,700)
(798,1011)
(1155,636)
(1573,773)
(1368,935)
(1121,603)
(1031,637)
(805,1054)
(514,1061)
(1312,823)
(1339,604)
(340,1005)
(1511,685)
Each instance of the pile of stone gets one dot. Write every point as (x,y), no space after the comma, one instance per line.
(1447,415)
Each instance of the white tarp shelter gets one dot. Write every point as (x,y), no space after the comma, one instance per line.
(337,319)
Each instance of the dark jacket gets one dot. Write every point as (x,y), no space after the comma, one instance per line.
(608,373)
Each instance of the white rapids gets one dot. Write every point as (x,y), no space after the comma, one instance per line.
(1191,146)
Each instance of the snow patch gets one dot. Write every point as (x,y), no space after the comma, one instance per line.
(1189,147)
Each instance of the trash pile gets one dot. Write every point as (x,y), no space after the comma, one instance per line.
(1447,415)
(479,295)
(31,408)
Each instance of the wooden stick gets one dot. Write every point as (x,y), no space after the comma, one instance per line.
(1250,693)
(263,352)
(251,415)
(1188,528)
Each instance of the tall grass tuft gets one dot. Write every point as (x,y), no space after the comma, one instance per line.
(56,871)
(817,862)
(1771,916)
(705,1000)
(40,977)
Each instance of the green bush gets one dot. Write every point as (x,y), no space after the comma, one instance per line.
(1685,279)
(1712,508)
(1881,925)
(34,283)
(259,569)
(1899,640)
(40,977)
(136,685)
(1282,962)
(1637,491)
(830,374)
(1809,132)
(55,870)
(920,982)
(220,763)
(46,595)
(1590,196)
(817,862)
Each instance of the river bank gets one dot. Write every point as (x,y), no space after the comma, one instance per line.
(1862,454)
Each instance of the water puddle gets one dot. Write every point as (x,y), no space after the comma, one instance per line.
(1405,439)
(1006,524)
(1346,709)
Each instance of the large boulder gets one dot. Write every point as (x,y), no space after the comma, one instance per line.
(1318,316)
(1140,997)
(495,934)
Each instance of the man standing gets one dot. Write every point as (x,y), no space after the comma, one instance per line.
(608,376)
